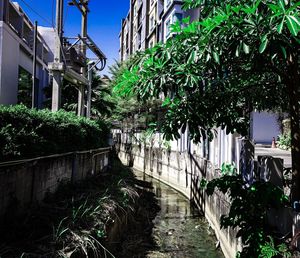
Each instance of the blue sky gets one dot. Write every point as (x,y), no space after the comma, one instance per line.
(104,21)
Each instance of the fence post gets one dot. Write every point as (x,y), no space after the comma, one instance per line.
(246,162)
(74,168)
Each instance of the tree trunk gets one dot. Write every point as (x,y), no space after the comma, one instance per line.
(295,134)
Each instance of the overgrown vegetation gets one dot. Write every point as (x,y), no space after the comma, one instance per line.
(76,221)
(27,133)
(240,56)
(250,205)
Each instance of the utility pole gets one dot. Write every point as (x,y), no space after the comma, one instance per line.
(86,71)
(34,81)
(82,6)
(84,23)
(57,66)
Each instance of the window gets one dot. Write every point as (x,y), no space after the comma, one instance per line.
(140,17)
(134,11)
(139,39)
(168,23)
(177,17)
(151,44)
(151,23)
(127,41)
(25,88)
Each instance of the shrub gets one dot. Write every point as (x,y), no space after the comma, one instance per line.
(284,141)
(26,133)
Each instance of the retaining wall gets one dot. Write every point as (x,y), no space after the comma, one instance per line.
(26,182)
(184,172)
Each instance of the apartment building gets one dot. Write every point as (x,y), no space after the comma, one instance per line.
(16,53)
(148,22)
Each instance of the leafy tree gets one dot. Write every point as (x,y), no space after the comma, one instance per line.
(101,106)
(240,56)
(128,105)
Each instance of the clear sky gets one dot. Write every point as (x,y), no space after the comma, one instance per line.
(103,26)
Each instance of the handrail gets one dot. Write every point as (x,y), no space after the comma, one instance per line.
(18,162)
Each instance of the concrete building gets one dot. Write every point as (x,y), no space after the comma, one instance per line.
(16,53)
(147,23)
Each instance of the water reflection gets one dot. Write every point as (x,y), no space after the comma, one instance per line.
(179,230)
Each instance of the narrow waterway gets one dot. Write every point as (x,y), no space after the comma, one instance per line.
(179,230)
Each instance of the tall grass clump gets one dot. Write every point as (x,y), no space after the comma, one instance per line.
(76,221)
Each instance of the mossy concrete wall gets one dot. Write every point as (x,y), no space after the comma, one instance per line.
(25,183)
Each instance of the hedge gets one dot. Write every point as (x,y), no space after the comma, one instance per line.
(27,133)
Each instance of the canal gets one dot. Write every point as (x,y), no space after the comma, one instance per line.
(179,230)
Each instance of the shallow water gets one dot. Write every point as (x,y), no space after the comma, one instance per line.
(179,231)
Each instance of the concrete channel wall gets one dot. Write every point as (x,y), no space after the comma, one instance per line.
(184,172)
(26,182)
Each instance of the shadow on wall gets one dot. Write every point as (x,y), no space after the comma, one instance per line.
(198,172)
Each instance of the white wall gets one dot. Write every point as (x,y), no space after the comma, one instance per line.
(9,69)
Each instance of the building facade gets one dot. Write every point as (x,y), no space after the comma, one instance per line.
(148,22)
(16,54)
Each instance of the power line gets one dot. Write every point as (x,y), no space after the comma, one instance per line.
(37,13)
(47,21)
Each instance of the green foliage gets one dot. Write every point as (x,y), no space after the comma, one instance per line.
(269,250)
(167,145)
(284,141)
(124,103)
(59,231)
(27,133)
(228,169)
(219,69)
(248,212)
(128,105)
(25,88)
(101,103)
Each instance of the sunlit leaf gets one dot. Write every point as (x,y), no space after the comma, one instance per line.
(280,26)
(292,25)
(263,46)
(246,48)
